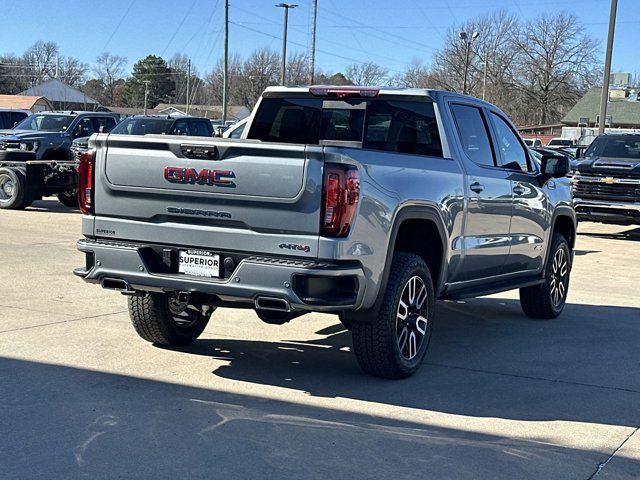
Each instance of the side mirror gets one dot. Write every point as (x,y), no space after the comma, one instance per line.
(555,166)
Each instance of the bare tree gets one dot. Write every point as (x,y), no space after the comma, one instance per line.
(260,70)
(41,61)
(15,76)
(213,81)
(72,71)
(415,75)
(179,65)
(109,72)
(297,69)
(367,73)
(534,71)
(557,63)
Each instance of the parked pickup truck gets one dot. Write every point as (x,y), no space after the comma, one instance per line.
(364,202)
(36,160)
(606,180)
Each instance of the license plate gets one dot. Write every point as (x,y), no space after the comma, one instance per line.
(200,263)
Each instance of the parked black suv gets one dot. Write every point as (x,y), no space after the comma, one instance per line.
(153,124)
(606,181)
(165,125)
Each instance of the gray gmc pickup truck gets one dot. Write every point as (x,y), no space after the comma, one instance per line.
(364,202)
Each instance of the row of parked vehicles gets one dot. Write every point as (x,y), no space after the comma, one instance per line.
(39,152)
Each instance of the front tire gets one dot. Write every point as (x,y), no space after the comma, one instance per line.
(13,195)
(69,198)
(547,300)
(159,318)
(394,342)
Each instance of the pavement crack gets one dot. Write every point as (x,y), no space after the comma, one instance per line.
(530,377)
(601,465)
(62,321)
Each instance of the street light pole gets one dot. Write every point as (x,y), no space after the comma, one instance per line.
(607,67)
(286,7)
(484,80)
(468,41)
(146,94)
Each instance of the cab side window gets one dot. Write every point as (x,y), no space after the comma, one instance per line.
(181,127)
(513,153)
(200,128)
(474,136)
(103,124)
(84,128)
(15,118)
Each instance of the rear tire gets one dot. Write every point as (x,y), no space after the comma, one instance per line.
(547,300)
(158,318)
(69,198)
(13,190)
(394,342)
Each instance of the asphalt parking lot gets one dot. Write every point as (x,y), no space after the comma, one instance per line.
(500,395)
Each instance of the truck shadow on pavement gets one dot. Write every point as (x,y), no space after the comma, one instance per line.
(485,360)
(51,206)
(632,235)
(66,423)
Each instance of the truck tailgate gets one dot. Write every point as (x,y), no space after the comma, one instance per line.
(224,194)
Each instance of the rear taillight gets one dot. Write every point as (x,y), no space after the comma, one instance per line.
(86,181)
(340,192)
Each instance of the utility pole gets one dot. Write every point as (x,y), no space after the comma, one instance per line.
(146,94)
(467,42)
(283,68)
(225,70)
(188,79)
(607,67)
(312,57)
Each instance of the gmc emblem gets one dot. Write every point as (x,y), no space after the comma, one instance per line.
(221,178)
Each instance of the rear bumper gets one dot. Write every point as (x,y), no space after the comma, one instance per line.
(607,212)
(305,285)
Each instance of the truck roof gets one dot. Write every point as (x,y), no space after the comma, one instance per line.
(373,91)
(352,88)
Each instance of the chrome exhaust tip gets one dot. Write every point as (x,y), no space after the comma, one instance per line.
(272,303)
(117,284)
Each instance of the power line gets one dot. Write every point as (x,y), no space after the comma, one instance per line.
(178,27)
(124,15)
(299,44)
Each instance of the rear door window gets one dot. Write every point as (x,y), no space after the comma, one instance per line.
(391,125)
(404,127)
(473,132)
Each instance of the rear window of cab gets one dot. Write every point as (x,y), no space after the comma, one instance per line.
(380,124)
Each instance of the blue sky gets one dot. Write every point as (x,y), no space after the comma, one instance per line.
(390,33)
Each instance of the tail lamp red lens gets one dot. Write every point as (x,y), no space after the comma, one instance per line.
(86,179)
(340,192)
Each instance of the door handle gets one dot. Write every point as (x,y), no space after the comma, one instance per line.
(476,187)
(519,190)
